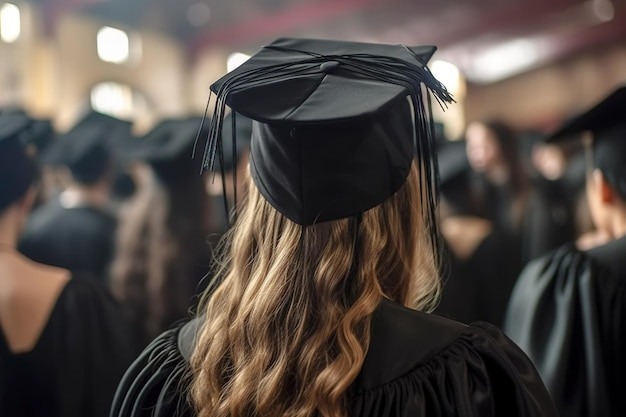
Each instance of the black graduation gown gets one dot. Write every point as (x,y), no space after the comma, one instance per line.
(78,361)
(417,365)
(81,238)
(478,288)
(568,312)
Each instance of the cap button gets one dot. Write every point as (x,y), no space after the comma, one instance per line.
(329,66)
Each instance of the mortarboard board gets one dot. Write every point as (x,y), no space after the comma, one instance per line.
(16,169)
(334,124)
(607,125)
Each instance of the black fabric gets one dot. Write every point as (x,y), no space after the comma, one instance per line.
(608,127)
(39,132)
(16,170)
(550,219)
(89,148)
(417,365)
(235,142)
(568,312)
(478,288)
(77,362)
(288,174)
(318,103)
(169,149)
(80,238)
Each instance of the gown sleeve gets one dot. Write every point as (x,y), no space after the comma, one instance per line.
(156,383)
(567,313)
(482,373)
(97,346)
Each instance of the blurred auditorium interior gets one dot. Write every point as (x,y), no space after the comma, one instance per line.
(531,63)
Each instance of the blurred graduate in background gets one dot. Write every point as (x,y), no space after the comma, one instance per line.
(76,229)
(64,342)
(568,308)
(162,254)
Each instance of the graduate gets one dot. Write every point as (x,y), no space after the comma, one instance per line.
(161,251)
(64,343)
(568,308)
(330,269)
(76,230)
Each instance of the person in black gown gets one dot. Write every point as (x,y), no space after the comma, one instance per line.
(330,268)
(64,344)
(76,230)
(568,308)
(162,255)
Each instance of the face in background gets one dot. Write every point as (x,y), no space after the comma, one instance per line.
(549,160)
(483,150)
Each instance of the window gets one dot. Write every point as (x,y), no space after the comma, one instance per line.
(113,45)
(117,100)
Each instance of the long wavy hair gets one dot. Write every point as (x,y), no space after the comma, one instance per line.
(160,242)
(287,328)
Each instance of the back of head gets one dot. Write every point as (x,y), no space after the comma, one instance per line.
(87,149)
(606,124)
(340,212)
(16,169)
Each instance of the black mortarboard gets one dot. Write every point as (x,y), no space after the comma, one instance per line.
(333,132)
(87,148)
(168,148)
(16,169)
(607,124)
(39,132)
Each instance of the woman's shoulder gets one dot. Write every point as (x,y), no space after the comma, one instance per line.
(156,384)
(422,364)
(417,364)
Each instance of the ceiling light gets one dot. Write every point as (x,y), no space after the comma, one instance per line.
(10,23)
(503,60)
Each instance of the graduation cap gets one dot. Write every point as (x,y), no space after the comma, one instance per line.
(39,132)
(87,149)
(336,125)
(607,125)
(168,148)
(16,169)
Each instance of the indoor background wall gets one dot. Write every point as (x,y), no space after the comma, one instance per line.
(51,75)
(541,98)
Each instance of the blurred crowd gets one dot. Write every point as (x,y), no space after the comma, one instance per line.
(139,216)
(134,213)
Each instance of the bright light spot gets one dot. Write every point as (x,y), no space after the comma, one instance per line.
(603,10)
(198,14)
(113,99)
(10,23)
(448,74)
(113,45)
(504,60)
(236,59)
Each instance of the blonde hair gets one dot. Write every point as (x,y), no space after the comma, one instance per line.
(287,330)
